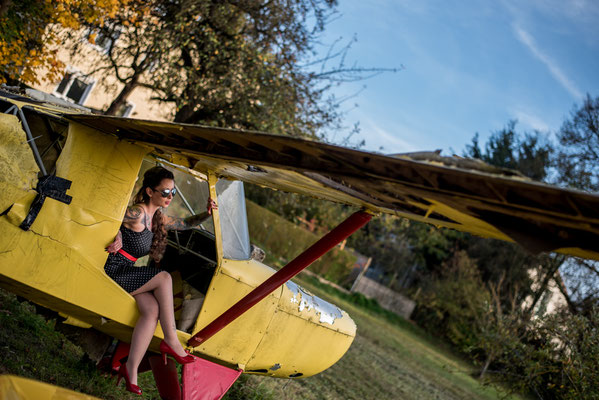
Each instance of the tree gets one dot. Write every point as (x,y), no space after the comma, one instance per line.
(555,358)
(240,66)
(528,153)
(531,154)
(139,42)
(130,59)
(452,302)
(499,326)
(578,155)
(236,63)
(29,33)
(577,163)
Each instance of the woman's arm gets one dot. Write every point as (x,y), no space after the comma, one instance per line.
(182,224)
(134,218)
(116,245)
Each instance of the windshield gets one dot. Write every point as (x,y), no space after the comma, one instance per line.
(233,220)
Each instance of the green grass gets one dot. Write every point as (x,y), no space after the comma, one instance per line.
(32,348)
(389,359)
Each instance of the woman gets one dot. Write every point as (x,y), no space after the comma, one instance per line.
(144,231)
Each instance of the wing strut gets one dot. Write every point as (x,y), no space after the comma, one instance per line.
(326,243)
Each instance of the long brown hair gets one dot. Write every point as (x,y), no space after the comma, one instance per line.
(152,178)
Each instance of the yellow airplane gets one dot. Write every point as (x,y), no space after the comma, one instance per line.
(66,178)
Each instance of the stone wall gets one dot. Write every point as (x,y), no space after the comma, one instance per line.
(386,297)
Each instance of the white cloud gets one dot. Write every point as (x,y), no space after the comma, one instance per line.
(530,120)
(377,137)
(526,39)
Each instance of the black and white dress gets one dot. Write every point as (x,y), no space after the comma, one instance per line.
(122,270)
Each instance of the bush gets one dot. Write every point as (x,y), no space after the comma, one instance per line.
(557,358)
(452,305)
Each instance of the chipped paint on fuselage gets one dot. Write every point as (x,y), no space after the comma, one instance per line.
(307,301)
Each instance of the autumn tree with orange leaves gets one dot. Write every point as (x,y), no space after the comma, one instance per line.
(29,34)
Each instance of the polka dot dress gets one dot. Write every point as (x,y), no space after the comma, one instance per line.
(122,270)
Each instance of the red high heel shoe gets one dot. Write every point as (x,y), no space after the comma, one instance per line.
(128,385)
(166,349)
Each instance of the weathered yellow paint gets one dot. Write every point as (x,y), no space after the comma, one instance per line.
(231,282)
(472,225)
(103,171)
(59,262)
(18,170)
(314,347)
(297,347)
(257,339)
(17,388)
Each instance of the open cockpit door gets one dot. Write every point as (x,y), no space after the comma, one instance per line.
(190,255)
(196,255)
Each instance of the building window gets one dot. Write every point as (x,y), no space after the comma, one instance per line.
(125,109)
(74,87)
(104,38)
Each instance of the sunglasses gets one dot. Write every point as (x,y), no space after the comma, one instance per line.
(164,193)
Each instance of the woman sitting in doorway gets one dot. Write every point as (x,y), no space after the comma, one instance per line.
(142,232)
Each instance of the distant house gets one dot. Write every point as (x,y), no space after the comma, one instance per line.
(551,299)
(96,90)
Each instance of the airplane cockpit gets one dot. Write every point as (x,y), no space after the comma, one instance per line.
(190,255)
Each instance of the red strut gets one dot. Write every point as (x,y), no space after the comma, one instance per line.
(326,243)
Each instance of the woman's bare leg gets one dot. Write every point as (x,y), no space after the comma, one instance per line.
(143,331)
(161,286)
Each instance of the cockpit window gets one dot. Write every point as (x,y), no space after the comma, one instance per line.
(233,220)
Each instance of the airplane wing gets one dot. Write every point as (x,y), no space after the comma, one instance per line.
(463,194)
(452,192)
(18,388)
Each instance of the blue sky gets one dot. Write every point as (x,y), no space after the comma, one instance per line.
(470,66)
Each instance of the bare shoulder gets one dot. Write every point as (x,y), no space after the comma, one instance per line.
(133,213)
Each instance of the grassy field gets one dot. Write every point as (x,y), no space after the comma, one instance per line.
(390,359)
(32,348)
